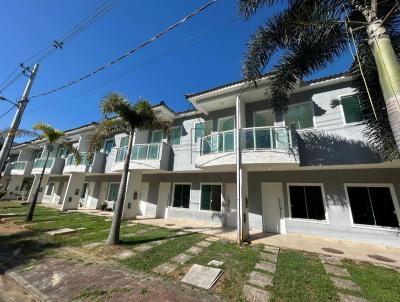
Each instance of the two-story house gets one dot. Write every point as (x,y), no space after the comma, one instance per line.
(309,170)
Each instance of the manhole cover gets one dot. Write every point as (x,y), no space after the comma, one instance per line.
(331,250)
(170,224)
(188,228)
(381,258)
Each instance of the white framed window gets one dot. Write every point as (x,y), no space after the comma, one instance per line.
(307,202)
(36,154)
(201,129)
(373,205)
(181,195)
(351,108)
(50,188)
(108,145)
(264,118)
(112,193)
(175,135)
(301,115)
(226,123)
(157,136)
(211,197)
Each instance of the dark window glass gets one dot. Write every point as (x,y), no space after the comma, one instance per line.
(307,202)
(181,196)
(372,206)
(211,197)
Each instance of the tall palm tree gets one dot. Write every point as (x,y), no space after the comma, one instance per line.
(307,35)
(51,136)
(121,116)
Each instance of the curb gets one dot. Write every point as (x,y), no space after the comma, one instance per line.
(25,285)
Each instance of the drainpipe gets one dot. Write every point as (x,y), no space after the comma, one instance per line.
(239,200)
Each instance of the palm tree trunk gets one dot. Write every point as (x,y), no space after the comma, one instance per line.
(29,215)
(388,72)
(113,236)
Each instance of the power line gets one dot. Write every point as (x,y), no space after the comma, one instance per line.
(159,35)
(8,111)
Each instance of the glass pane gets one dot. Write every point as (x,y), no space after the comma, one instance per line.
(360,205)
(153,151)
(123,143)
(84,188)
(382,204)
(198,131)
(263,139)
(177,196)
(113,193)
(215,198)
(266,118)
(61,151)
(351,109)
(175,136)
(305,115)
(206,145)
(229,141)
(214,143)
(50,189)
(185,196)
(248,139)
(205,197)
(135,152)
(281,138)
(315,203)
(142,152)
(291,116)
(226,124)
(298,202)
(157,136)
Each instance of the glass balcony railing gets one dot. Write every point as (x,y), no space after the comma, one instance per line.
(85,160)
(257,138)
(19,165)
(140,152)
(39,163)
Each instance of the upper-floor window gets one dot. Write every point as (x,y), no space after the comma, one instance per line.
(13,158)
(36,154)
(226,123)
(264,118)
(202,129)
(301,115)
(351,108)
(175,135)
(110,143)
(157,136)
(62,152)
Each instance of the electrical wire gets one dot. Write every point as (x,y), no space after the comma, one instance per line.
(5,113)
(128,53)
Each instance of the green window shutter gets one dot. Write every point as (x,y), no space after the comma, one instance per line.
(175,135)
(352,109)
(113,192)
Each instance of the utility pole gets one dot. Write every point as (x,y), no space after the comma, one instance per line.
(17,117)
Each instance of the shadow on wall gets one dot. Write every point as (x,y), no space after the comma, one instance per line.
(320,148)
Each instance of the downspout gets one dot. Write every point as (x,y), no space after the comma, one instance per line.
(239,200)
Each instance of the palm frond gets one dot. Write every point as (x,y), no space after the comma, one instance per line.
(69,146)
(247,8)
(18,133)
(49,133)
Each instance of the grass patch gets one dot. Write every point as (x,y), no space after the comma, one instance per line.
(301,277)
(377,283)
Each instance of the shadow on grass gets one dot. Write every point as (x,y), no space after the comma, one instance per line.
(139,241)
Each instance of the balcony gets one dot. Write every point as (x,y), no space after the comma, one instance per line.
(95,165)
(144,157)
(22,168)
(54,165)
(259,145)
(7,169)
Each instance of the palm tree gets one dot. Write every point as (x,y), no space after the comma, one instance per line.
(125,118)
(308,35)
(51,136)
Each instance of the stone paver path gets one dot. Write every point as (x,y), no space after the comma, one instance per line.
(64,280)
(340,278)
(256,290)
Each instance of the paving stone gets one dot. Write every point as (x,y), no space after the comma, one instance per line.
(194,250)
(124,255)
(266,266)
(158,242)
(269,257)
(350,298)
(182,258)
(271,249)
(180,233)
(336,270)
(204,243)
(92,245)
(215,263)
(330,260)
(260,279)
(63,231)
(254,294)
(165,268)
(8,214)
(211,239)
(202,276)
(345,284)
(143,248)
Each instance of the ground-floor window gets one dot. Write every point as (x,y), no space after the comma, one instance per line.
(307,202)
(372,206)
(113,192)
(181,196)
(210,197)
(84,189)
(50,188)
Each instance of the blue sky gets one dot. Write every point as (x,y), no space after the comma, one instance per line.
(202,53)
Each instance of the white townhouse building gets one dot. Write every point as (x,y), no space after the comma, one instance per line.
(309,170)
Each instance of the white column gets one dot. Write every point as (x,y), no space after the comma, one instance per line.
(35,183)
(73,192)
(14,186)
(131,204)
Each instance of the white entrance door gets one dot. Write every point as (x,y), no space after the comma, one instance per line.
(273,207)
(230,205)
(163,197)
(143,197)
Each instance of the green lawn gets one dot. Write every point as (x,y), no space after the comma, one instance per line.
(299,276)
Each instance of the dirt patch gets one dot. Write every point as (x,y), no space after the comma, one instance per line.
(9,291)
(7,228)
